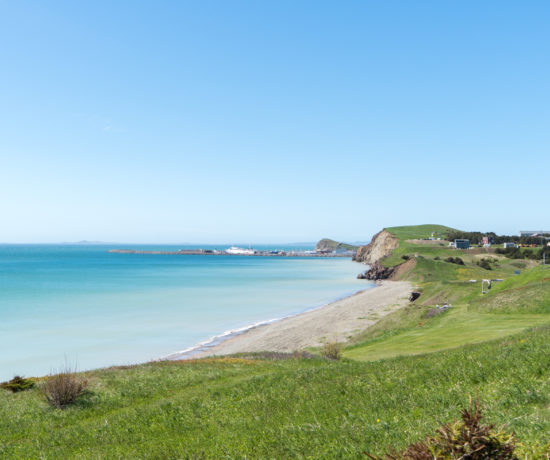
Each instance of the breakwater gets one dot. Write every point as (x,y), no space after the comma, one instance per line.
(214,252)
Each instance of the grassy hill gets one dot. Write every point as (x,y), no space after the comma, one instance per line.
(519,302)
(420,231)
(399,380)
(407,236)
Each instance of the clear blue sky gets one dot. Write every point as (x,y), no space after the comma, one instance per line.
(253,121)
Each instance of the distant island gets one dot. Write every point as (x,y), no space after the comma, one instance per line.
(326,244)
(85,242)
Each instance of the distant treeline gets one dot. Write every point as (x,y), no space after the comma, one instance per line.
(477,238)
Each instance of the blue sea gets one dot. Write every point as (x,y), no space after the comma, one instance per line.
(83,305)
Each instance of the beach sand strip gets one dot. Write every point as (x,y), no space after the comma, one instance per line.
(337,321)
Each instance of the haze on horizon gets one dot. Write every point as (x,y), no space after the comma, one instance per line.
(210,122)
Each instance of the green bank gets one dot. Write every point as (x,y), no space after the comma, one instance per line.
(398,381)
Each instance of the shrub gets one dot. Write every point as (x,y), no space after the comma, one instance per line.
(332,350)
(405,257)
(468,439)
(484,263)
(454,260)
(437,258)
(511,253)
(64,388)
(16,384)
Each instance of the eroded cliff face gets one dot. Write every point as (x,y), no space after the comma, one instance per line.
(377,272)
(382,245)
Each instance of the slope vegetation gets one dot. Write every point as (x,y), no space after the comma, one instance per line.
(449,276)
(286,408)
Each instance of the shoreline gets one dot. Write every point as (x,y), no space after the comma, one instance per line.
(337,320)
(216,340)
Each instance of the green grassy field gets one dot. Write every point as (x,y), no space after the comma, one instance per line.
(452,329)
(295,408)
(410,232)
(399,380)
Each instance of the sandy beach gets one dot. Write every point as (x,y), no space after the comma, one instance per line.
(336,321)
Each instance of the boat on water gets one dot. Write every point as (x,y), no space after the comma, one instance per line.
(234,250)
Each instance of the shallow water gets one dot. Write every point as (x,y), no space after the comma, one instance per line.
(92,308)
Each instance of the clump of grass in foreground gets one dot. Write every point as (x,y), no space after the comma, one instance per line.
(469,439)
(16,384)
(332,350)
(63,388)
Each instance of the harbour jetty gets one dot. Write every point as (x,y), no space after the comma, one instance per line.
(324,248)
(233,251)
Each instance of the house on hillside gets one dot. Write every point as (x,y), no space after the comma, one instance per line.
(462,244)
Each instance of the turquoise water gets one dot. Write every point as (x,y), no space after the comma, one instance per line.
(94,309)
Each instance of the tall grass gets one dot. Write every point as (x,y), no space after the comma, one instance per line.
(64,387)
(332,350)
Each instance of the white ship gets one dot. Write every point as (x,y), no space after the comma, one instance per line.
(234,250)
